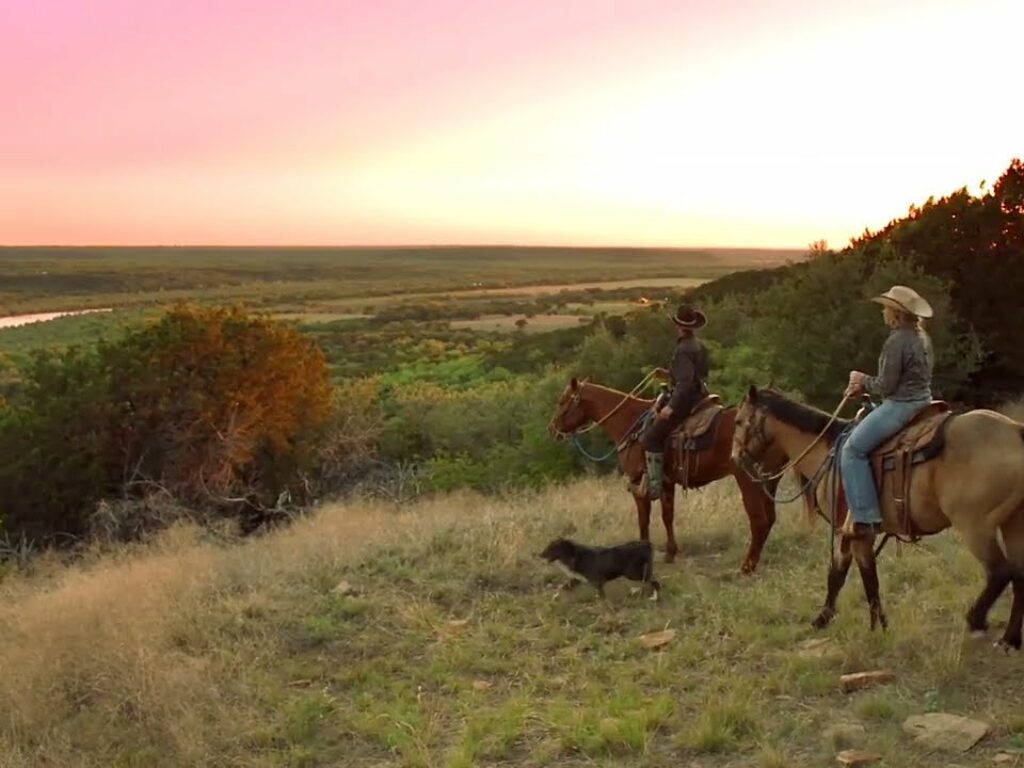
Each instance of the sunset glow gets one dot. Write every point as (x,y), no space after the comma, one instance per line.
(538,122)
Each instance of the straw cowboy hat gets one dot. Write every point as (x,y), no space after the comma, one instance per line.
(906,300)
(688,317)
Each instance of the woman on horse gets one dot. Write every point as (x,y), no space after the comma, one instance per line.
(904,382)
(688,371)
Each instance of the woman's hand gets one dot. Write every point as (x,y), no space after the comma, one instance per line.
(856,383)
(665,413)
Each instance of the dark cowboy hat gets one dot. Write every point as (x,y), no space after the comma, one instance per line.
(688,317)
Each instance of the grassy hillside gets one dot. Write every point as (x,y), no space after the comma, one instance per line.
(455,652)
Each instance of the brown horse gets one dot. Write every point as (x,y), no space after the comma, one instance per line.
(617,413)
(975,485)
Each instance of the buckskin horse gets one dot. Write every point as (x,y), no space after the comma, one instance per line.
(618,414)
(964,471)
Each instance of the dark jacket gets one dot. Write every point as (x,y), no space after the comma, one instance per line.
(689,371)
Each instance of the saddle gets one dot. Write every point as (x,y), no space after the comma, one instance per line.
(697,431)
(893,462)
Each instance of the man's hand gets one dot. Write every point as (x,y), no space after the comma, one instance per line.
(665,413)
(661,373)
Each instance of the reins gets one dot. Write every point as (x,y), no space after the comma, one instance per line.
(792,463)
(595,424)
(615,448)
(625,399)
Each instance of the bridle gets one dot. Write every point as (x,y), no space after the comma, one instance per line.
(754,430)
(575,401)
(792,462)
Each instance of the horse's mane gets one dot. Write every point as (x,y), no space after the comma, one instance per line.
(806,418)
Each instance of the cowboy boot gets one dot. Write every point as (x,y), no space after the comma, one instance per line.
(655,474)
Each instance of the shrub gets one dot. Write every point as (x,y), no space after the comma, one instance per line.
(210,405)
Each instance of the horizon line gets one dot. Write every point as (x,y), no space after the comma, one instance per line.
(411,246)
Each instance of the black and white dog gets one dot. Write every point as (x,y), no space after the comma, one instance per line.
(599,565)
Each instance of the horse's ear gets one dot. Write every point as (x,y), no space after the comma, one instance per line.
(752,394)
(573,384)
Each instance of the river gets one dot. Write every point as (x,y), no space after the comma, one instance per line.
(13,321)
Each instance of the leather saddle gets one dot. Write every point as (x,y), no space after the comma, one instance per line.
(894,460)
(697,432)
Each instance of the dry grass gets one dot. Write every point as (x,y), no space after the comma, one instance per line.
(194,652)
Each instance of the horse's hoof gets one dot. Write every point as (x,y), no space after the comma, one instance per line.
(1006,646)
(670,557)
(823,620)
(747,569)
(976,634)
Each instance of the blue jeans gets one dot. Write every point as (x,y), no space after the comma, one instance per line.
(875,428)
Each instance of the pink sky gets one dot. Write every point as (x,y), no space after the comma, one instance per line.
(556,121)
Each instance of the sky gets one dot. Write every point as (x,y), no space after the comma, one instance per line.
(561,122)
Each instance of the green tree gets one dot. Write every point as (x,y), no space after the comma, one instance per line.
(207,403)
(819,324)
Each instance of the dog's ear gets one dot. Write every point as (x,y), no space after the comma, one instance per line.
(573,384)
(752,394)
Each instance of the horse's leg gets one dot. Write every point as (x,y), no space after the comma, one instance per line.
(984,546)
(836,579)
(760,514)
(643,516)
(668,514)
(1013,538)
(1013,635)
(864,552)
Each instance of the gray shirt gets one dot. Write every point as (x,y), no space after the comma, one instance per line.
(904,367)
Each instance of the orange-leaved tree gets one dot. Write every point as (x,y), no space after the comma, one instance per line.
(214,403)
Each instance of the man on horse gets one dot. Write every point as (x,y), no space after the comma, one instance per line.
(688,372)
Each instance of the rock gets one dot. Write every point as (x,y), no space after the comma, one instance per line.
(655,640)
(858,680)
(940,731)
(815,648)
(845,734)
(1007,758)
(857,757)
(481,685)
(452,628)
(345,589)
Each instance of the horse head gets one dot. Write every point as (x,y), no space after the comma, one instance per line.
(752,440)
(570,414)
